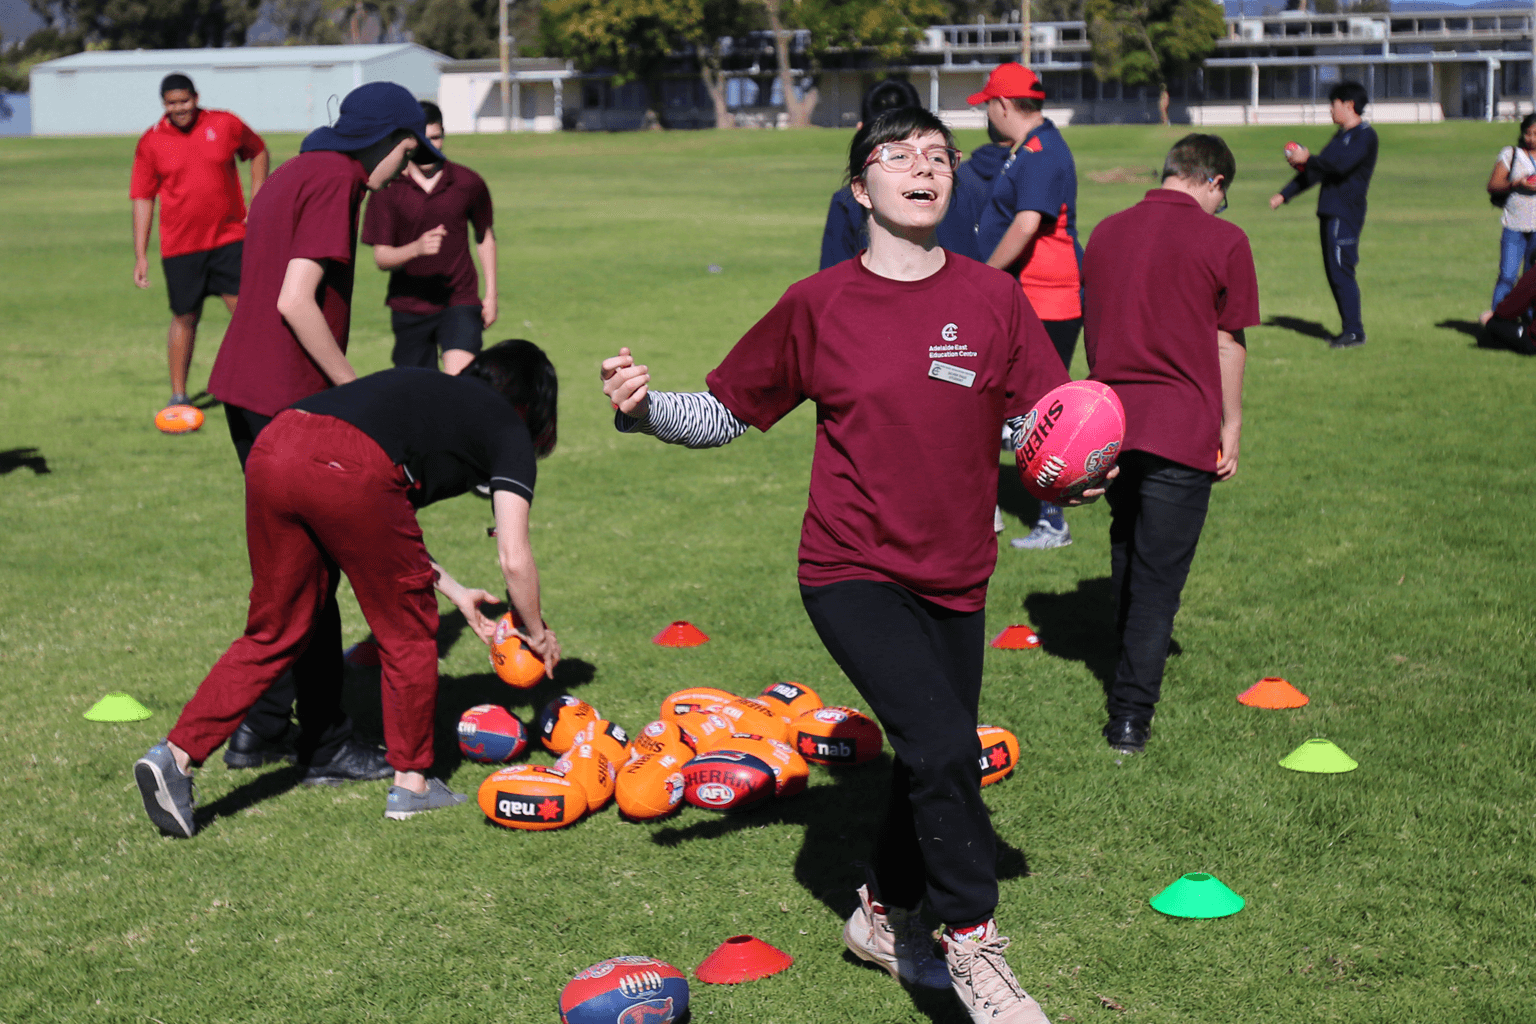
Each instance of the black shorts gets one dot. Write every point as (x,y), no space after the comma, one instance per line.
(418,336)
(192,277)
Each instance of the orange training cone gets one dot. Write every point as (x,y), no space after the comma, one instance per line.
(1272,692)
(680,634)
(742,958)
(1016,638)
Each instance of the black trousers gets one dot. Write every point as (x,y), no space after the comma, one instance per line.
(1341,254)
(323,725)
(918,667)
(1063,335)
(1157,510)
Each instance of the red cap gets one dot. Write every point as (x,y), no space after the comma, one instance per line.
(1009,80)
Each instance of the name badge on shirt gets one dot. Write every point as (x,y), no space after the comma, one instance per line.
(953,374)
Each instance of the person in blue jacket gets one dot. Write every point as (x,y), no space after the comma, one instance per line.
(846,234)
(1343,169)
(973,188)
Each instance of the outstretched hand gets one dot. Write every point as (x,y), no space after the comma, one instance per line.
(468,601)
(626,384)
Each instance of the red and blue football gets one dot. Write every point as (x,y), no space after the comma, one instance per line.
(491,734)
(1072,438)
(727,780)
(625,990)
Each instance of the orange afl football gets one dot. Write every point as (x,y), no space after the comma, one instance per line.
(789,700)
(755,717)
(531,796)
(698,696)
(999,753)
(836,735)
(705,729)
(514,661)
(588,766)
(609,737)
(179,419)
(660,737)
(560,721)
(790,772)
(651,787)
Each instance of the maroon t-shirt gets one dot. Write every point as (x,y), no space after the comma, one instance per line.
(1159,281)
(403,211)
(306,210)
(912,381)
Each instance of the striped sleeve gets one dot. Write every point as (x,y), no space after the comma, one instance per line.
(694,419)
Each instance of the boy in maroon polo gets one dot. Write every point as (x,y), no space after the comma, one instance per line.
(1169,289)
(187,160)
(419,230)
(286,341)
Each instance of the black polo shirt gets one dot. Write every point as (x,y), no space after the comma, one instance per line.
(449,433)
(403,211)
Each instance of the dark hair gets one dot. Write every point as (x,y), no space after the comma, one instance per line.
(892,126)
(523,375)
(1200,158)
(889,94)
(176,80)
(1352,93)
(433,111)
(1028,104)
(1525,126)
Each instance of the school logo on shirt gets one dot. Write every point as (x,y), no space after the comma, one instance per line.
(950,332)
(211,135)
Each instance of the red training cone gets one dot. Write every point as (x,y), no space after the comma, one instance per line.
(742,958)
(1016,638)
(680,634)
(1274,693)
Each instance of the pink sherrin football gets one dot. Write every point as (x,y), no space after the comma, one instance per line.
(1071,440)
(625,990)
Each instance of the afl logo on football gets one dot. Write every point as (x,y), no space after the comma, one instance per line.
(716,794)
(950,332)
(655,729)
(504,629)
(832,715)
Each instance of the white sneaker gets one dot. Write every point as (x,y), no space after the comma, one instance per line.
(1044,536)
(997,519)
(984,981)
(895,939)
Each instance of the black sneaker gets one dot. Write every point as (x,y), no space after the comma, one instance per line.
(1128,735)
(354,762)
(1347,340)
(248,750)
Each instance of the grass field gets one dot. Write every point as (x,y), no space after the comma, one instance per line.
(1373,550)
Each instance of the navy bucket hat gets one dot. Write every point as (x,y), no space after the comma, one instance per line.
(369,114)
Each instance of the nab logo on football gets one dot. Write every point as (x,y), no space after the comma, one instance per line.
(950,332)
(826,749)
(995,758)
(515,807)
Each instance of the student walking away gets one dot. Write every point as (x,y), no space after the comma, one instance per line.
(1169,288)
(419,228)
(187,161)
(1029,228)
(974,180)
(1343,170)
(288,340)
(913,358)
(846,234)
(1512,185)
(332,486)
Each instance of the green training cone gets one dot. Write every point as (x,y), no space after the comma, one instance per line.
(1197,895)
(117,707)
(1321,756)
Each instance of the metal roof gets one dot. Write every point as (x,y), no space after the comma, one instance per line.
(231,56)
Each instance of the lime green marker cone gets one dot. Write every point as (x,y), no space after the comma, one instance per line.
(1320,756)
(117,707)
(1197,895)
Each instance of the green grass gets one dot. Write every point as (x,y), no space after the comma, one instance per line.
(1374,549)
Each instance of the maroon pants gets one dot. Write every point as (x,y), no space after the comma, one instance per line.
(321,496)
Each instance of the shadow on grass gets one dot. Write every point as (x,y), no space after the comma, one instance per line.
(18,458)
(1078,626)
(262,787)
(1013,499)
(1307,328)
(1471,328)
(841,821)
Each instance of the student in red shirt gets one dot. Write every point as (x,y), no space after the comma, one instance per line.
(914,359)
(1029,228)
(288,340)
(187,160)
(419,229)
(1169,288)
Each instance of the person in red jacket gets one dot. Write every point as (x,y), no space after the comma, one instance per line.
(187,161)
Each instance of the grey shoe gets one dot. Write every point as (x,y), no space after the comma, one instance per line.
(1044,536)
(402,803)
(1347,340)
(985,983)
(894,938)
(166,790)
(354,762)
